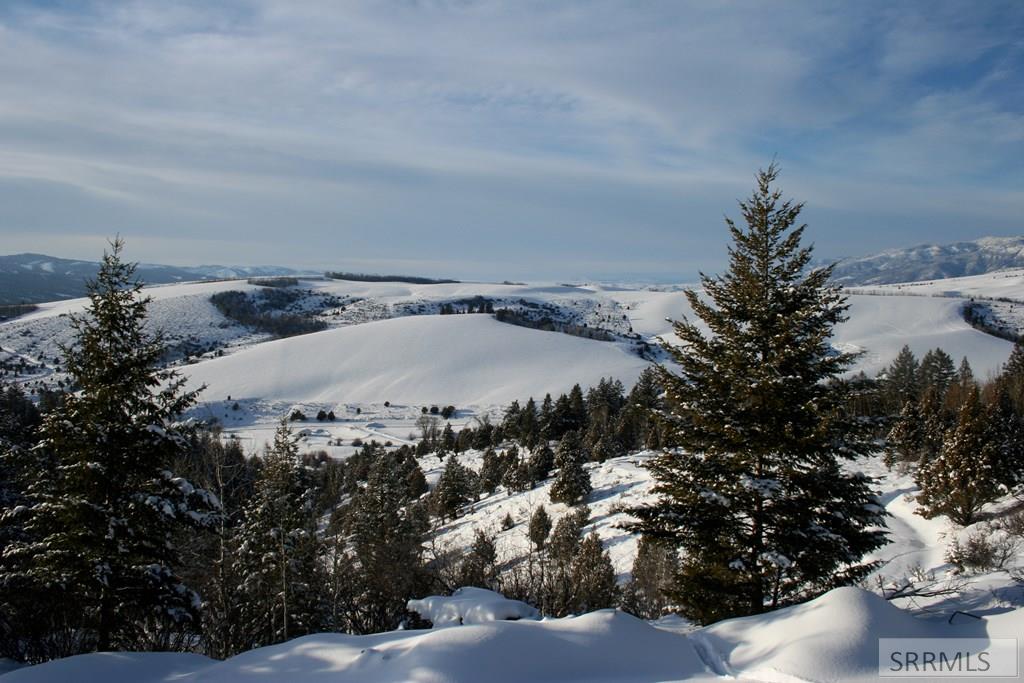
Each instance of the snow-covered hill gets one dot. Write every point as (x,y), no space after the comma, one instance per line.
(933,261)
(456,359)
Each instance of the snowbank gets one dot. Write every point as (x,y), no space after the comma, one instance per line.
(112,667)
(471,606)
(602,646)
(832,638)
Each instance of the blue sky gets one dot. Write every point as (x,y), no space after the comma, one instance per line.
(493,140)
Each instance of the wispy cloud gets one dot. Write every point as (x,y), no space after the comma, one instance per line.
(523,139)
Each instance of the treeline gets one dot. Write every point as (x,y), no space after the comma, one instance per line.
(367,277)
(548,324)
(275,281)
(963,439)
(264,311)
(14,310)
(978,315)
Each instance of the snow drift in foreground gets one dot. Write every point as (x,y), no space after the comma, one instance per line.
(832,638)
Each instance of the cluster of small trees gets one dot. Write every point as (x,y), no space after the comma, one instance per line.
(566,572)
(963,439)
(265,311)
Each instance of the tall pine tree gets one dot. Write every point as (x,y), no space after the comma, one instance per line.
(105,504)
(753,491)
(278,557)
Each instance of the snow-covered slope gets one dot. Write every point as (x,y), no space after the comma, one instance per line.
(453,359)
(878,326)
(933,261)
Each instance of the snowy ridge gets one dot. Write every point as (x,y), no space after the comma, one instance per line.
(933,261)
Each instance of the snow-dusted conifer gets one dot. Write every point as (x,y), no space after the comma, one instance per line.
(454,489)
(965,475)
(105,505)
(572,483)
(753,491)
(593,577)
(936,371)
(901,380)
(540,528)
(654,571)
(385,540)
(278,548)
(906,437)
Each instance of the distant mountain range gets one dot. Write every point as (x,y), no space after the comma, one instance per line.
(32,278)
(933,262)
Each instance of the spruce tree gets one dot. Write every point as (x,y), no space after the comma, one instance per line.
(1006,433)
(453,490)
(540,528)
(901,380)
(278,556)
(936,371)
(593,577)
(542,460)
(906,438)
(654,570)
(965,475)
(753,491)
(572,483)
(105,504)
(387,548)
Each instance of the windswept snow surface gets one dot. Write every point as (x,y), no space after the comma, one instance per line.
(454,359)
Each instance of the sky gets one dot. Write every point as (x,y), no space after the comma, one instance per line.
(502,139)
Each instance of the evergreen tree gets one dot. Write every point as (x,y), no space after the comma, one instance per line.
(906,438)
(572,483)
(965,475)
(479,565)
(901,380)
(544,420)
(454,489)
(576,419)
(935,422)
(98,555)
(519,475)
(492,471)
(936,371)
(754,495)
(542,460)
(1006,434)
(529,425)
(1013,375)
(278,550)
(540,528)
(593,577)
(387,547)
(654,570)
